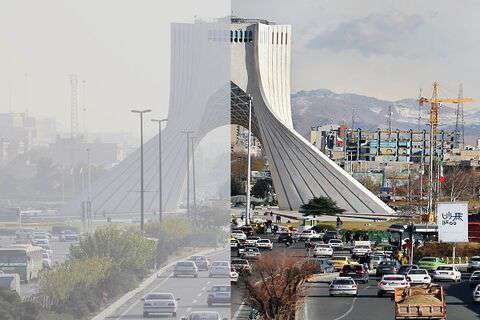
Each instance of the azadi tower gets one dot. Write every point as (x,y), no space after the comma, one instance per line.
(215,68)
(260,67)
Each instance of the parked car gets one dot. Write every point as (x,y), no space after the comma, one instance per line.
(185,268)
(219,271)
(447,272)
(233,276)
(265,244)
(473,264)
(387,267)
(219,294)
(201,262)
(241,265)
(406,267)
(343,286)
(160,303)
(418,276)
(474,279)
(322,250)
(391,281)
(430,263)
(355,271)
(476,294)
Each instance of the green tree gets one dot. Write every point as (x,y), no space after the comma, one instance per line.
(261,188)
(236,187)
(320,206)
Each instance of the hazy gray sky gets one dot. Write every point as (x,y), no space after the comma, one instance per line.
(121,48)
(381,48)
(385,49)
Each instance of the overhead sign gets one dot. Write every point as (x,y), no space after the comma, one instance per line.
(452,222)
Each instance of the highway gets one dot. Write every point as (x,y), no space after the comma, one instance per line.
(192,293)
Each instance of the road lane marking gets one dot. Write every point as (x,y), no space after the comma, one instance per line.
(198,295)
(194,301)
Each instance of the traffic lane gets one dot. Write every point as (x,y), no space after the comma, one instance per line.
(319,305)
(192,292)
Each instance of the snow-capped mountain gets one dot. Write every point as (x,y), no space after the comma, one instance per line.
(322,106)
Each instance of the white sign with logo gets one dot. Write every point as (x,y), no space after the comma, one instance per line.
(452,222)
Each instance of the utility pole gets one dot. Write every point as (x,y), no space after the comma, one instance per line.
(89,184)
(193,174)
(435,106)
(187,133)
(389,121)
(160,195)
(249,161)
(73,106)
(419,110)
(84,109)
(142,191)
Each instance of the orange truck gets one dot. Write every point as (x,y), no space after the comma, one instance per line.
(420,302)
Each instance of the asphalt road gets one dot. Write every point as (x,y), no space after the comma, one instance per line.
(192,293)
(319,305)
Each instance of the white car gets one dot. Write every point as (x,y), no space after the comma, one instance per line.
(219,271)
(447,272)
(323,250)
(239,235)
(361,250)
(219,263)
(265,244)
(391,281)
(233,244)
(159,303)
(375,261)
(203,315)
(251,253)
(343,286)
(335,243)
(233,276)
(476,294)
(418,276)
(308,234)
(252,241)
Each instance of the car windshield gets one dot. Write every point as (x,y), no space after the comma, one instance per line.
(387,263)
(475,259)
(340,258)
(263,241)
(428,259)
(445,268)
(221,289)
(307,231)
(342,281)
(393,278)
(335,241)
(363,247)
(418,271)
(220,263)
(159,296)
(476,274)
(239,261)
(323,246)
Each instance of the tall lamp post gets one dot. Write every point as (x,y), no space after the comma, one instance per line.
(249,161)
(160,200)
(188,132)
(193,174)
(142,222)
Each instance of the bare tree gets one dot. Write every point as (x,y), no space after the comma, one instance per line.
(458,183)
(276,288)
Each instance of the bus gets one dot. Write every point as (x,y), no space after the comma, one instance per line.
(24,260)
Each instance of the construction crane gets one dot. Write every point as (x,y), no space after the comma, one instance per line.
(434,122)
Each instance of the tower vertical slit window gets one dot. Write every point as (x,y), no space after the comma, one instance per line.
(240,39)
(236,36)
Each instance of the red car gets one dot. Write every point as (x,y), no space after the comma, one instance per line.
(356,271)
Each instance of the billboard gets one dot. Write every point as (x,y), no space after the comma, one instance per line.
(452,221)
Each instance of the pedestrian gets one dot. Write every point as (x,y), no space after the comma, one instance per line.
(308,246)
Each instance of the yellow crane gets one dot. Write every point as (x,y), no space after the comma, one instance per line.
(434,121)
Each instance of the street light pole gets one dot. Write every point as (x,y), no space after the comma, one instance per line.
(187,132)
(160,200)
(249,164)
(142,221)
(193,175)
